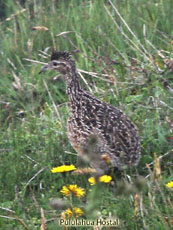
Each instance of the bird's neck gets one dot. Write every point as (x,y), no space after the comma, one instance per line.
(73,87)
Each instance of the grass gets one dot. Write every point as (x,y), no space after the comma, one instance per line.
(127,44)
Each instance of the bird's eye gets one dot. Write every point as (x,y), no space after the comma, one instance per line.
(55,63)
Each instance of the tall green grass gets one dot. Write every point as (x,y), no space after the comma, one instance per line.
(127,44)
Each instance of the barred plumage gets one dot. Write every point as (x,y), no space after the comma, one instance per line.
(117,136)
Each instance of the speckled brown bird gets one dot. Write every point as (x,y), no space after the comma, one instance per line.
(117,137)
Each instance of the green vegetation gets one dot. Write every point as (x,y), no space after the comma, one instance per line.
(128,44)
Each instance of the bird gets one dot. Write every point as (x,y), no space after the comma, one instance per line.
(116,137)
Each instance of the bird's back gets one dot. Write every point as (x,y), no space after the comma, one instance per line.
(117,136)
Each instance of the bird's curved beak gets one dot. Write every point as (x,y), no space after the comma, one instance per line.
(44,68)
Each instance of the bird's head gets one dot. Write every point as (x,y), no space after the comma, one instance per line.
(60,61)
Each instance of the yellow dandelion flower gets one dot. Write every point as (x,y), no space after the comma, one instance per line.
(78,212)
(170,184)
(65,191)
(68,212)
(79,192)
(63,168)
(92,180)
(76,190)
(75,212)
(72,188)
(105,178)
